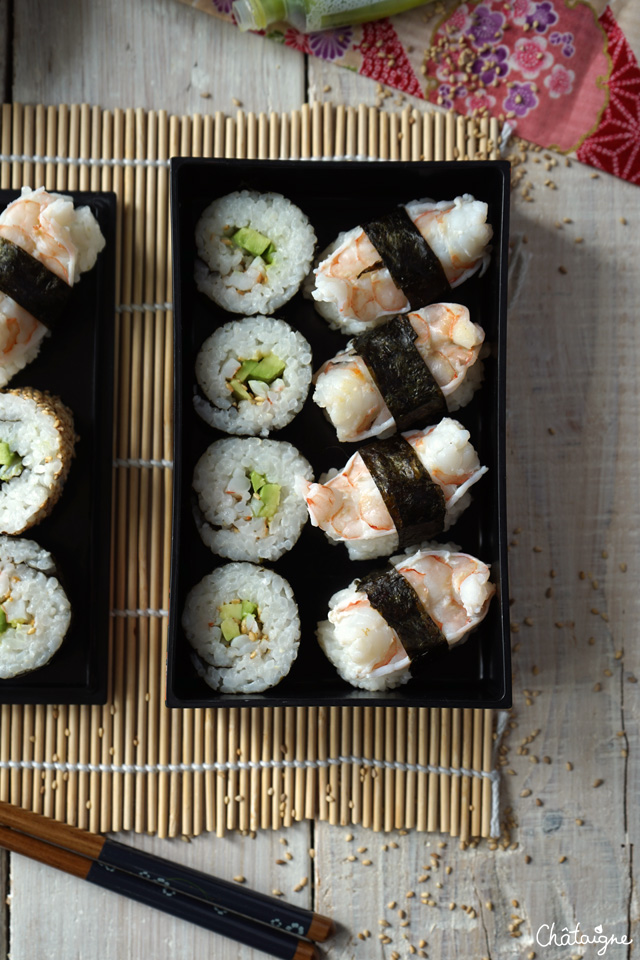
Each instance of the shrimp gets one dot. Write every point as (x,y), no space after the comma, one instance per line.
(33,222)
(349,506)
(355,282)
(449,344)
(453,587)
(346,390)
(20,338)
(354,290)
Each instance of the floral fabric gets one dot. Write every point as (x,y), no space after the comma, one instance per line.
(560,72)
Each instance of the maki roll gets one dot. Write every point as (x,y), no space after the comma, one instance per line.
(37,441)
(255,249)
(254,375)
(247,507)
(416,367)
(45,244)
(397,491)
(242,621)
(34,610)
(401,261)
(382,627)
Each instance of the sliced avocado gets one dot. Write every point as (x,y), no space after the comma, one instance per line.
(230,629)
(10,462)
(233,610)
(4,626)
(249,607)
(239,390)
(257,480)
(246,370)
(270,496)
(267,256)
(268,368)
(251,241)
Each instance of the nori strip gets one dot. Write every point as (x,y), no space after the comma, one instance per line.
(413,265)
(398,603)
(400,373)
(416,503)
(33,287)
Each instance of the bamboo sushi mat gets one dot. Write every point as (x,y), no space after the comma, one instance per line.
(133,764)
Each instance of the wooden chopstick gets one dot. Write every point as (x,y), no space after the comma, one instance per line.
(243,915)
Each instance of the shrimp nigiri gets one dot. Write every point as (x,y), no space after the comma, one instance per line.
(443,595)
(361,281)
(362,389)
(398,490)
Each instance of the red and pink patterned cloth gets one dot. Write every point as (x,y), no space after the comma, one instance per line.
(561,72)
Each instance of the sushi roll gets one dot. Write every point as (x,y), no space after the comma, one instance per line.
(242,621)
(397,491)
(401,261)
(254,375)
(254,251)
(247,507)
(45,245)
(34,610)
(382,627)
(413,369)
(37,442)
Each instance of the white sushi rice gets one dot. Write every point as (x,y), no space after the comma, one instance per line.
(39,428)
(250,663)
(226,499)
(35,606)
(277,403)
(237,280)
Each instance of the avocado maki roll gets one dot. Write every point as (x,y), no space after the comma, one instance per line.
(242,621)
(254,251)
(254,376)
(35,612)
(247,507)
(383,629)
(37,443)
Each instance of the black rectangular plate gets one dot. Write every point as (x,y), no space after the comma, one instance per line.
(76,364)
(336,196)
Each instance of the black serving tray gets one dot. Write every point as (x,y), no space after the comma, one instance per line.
(76,363)
(336,196)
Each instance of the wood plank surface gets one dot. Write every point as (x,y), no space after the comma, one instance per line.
(156,54)
(566,851)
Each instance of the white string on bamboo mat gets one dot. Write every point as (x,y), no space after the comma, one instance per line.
(132,462)
(82,161)
(143,307)
(140,612)
(135,768)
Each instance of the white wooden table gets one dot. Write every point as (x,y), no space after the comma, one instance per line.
(574,505)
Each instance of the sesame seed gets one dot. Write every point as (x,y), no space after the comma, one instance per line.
(598,783)
(525,793)
(489,905)
(569,765)
(392,905)
(362,849)
(240,879)
(561,859)
(367,863)
(527,858)
(349,837)
(562,269)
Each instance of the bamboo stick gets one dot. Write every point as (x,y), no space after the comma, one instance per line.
(345,746)
(368,752)
(456,746)
(254,778)
(412,759)
(398,752)
(487,752)
(289,754)
(445,761)
(423,760)
(476,785)
(311,772)
(465,786)
(267,774)
(357,750)
(299,792)
(233,738)
(388,776)
(323,773)
(210,780)
(222,791)
(334,772)
(434,758)
(277,753)
(244,757)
